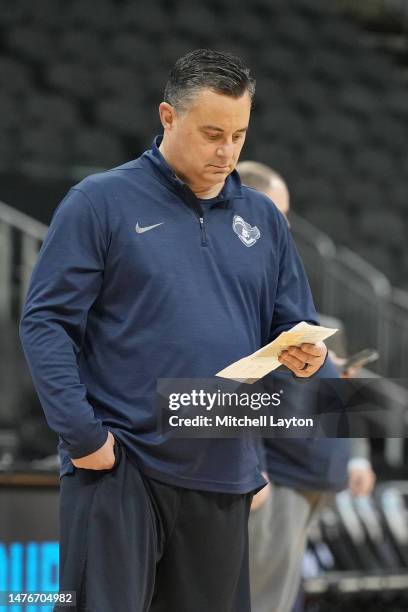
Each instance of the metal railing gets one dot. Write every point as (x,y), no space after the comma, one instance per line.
(394,335)
(20,240)
(347,287)
(317,251)
(358,294)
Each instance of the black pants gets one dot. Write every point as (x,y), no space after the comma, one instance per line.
(132,544)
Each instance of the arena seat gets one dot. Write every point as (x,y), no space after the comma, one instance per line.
(50,110)
(45,146)
(34,46)
(358,101)
(80,46)
(373,163)
(295,31)
(330,110)
(379,228)
(115,80)
(72,79)
(134,52)
(15,77)
(358,192)
(84,14)
(9,149)
(337,128)
(387,135)
(41,14)
(141,18)
(328,66)
(108,148)
(119,115)
(10,112)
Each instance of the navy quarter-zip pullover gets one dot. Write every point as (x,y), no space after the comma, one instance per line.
(137,280)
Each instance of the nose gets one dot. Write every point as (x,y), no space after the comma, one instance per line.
(225,151)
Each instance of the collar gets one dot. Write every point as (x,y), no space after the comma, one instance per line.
(232,186)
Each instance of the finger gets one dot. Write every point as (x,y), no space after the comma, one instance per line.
(303,355)
(291,362)
(302,373)
(313,349)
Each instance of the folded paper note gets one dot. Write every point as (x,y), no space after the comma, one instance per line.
(252,368)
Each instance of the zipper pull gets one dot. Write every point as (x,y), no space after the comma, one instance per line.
(203,232)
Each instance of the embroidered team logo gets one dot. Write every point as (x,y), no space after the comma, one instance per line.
(247,234)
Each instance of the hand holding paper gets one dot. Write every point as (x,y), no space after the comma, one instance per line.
(301,344)
(304,360)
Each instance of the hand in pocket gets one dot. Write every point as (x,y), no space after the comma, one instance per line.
(101,459)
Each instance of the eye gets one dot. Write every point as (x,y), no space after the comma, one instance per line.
(237,137)
(212,136)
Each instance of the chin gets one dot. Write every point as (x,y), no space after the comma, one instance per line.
(215,177)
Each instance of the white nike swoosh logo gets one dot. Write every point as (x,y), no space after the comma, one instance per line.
(142,230)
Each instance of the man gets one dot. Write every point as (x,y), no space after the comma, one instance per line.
(300,471)
(263,178)
(147,272)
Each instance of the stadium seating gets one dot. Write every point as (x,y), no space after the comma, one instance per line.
(80,86)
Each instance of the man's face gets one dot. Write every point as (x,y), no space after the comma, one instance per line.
(204,142)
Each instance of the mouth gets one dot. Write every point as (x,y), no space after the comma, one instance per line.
(223,168)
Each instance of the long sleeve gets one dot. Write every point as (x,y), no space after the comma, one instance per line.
(65,282)
(293,300)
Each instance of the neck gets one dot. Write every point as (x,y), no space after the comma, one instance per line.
(204,192)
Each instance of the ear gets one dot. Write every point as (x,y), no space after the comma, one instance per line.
(167,115)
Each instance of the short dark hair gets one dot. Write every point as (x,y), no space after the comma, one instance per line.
(204,68)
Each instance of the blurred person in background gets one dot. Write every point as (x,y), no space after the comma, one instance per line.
(302,473)
(148,271)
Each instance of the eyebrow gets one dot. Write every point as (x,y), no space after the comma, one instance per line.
(217,129)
